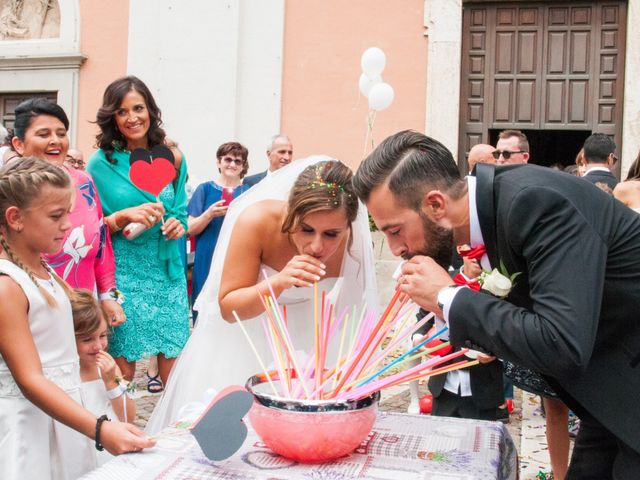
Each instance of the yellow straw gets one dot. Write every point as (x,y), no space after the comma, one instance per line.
(289,349)
(255,352)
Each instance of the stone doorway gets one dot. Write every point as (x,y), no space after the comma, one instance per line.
(542,66)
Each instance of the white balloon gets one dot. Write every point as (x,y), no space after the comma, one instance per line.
(373,61)
(380,96)
(365,83)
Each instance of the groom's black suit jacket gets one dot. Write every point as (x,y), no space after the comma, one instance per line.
(574,312)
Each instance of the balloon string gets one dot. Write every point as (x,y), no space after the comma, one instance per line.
(366,137)
(371,117)
(372,120)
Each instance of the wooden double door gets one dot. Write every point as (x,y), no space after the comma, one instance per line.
(541,66)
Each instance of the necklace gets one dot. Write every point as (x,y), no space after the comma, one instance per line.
(49,280)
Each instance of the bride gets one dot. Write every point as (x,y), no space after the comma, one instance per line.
(305,224)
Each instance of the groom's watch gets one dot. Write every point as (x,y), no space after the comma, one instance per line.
(445,295)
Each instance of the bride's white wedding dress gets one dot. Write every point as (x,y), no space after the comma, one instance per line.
(217,353)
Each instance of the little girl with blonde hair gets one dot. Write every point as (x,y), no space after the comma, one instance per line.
(41,408)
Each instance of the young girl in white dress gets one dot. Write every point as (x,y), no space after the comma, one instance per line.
(305,225)
(103,388)
(40,397)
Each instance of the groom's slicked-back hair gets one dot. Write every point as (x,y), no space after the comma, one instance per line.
(408,162)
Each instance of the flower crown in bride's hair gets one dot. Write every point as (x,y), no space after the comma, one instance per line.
(333,187)
(321,187)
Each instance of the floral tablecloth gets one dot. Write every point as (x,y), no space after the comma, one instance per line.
(399,447)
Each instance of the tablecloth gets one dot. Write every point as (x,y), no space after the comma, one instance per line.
(400,447)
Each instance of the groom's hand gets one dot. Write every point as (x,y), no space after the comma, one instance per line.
(422,278)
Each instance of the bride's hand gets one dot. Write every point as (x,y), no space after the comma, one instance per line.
(301,271)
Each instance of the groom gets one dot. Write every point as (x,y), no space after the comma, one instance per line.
(573,311)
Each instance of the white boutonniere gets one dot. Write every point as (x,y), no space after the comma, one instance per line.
(498,282)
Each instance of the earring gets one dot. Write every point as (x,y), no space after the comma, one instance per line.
(19,229)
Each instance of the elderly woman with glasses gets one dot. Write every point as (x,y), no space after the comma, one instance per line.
(209,205)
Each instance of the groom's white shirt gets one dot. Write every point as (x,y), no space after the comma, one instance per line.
(459,381)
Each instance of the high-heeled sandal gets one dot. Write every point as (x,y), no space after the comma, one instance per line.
(154,384)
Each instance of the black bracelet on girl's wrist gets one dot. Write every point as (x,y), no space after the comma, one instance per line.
(101,419)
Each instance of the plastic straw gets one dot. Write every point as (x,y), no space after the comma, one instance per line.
(255,352)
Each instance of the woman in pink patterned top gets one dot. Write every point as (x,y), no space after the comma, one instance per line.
(86,258)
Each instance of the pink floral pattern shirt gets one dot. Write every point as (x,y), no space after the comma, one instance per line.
(86,259)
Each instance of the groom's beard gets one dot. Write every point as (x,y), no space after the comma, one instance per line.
(438,242)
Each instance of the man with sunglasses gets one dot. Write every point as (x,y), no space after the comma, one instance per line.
(279,153)
(600,158)
(512,148)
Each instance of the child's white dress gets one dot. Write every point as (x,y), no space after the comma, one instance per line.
(32,444)
(97,402)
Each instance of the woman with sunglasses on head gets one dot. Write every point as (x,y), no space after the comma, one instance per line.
(209,204)
(149,268)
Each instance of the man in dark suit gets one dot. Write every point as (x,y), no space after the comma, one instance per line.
(474,392)
(599,158)
(279,153)
(572,312)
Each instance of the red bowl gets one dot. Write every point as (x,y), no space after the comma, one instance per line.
(311,431)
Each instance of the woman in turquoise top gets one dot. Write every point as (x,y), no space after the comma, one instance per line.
(149,271)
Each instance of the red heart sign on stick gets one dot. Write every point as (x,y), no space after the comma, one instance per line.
(152,171)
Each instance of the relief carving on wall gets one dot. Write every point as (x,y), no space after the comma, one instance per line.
(29,19)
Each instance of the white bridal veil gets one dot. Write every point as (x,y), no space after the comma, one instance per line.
(217,354)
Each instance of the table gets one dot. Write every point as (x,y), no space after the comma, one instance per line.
(400,447)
